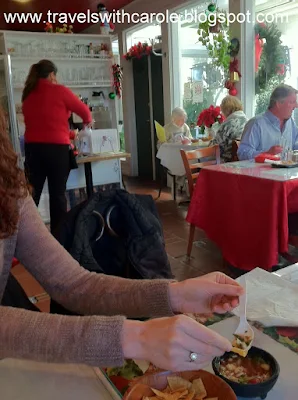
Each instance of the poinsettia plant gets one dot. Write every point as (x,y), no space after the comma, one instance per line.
(138,50)
(210,116)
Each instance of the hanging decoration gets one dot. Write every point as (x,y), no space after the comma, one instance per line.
(216,38)
(258,50)
(117,77)
(234,73)
(211,7)
(112,96)
(138,50)
(234,47)
(105,26)
(272,57)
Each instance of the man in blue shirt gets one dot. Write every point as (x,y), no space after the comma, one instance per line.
(274,130)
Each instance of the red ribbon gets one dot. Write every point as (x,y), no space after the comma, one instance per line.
(258,51)
(234,67)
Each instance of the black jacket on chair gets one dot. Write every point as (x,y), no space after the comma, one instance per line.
(137,251)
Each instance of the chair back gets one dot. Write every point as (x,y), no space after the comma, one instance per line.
(235,145)
(160,132)
(192,169)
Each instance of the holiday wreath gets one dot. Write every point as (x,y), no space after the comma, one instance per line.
(272,57)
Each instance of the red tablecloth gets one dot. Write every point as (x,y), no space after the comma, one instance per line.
(246,216)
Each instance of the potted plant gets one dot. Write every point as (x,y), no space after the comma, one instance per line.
(216,38)
(208,118)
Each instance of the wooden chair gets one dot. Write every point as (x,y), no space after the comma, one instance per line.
(235,145)
(192,172)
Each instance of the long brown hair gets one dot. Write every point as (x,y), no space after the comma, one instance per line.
(13,185)
(40,70)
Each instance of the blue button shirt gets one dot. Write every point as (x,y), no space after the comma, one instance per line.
(263,132)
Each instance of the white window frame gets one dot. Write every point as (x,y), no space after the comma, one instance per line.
(247,54)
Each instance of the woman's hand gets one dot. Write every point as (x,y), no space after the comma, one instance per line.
(214,292)
(168,342)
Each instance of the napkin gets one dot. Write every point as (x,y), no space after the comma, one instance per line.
(271,300)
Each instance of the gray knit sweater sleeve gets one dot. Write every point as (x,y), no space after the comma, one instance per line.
(90,339)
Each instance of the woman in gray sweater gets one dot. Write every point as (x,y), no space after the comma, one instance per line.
(103,337)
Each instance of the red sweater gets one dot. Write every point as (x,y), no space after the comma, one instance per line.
(47,110)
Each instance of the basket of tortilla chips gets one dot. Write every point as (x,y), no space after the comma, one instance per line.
(189,385)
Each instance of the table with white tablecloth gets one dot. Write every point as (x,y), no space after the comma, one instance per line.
(170,157)
(29,380)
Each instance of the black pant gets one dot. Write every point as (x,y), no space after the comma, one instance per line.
(49,161)
(15,296)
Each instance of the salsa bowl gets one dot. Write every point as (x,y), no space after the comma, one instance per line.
(252,376)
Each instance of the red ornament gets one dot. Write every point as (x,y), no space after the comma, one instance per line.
(229,84)
(280,69)
(233,91)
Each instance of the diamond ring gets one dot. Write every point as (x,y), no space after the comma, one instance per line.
(193,356)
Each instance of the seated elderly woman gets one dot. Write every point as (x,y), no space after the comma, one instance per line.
(232,128)
(177,130)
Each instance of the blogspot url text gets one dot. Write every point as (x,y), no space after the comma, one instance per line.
(121,16)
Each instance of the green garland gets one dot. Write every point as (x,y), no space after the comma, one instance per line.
(273,54)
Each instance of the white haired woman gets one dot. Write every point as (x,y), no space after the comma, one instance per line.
(177,126)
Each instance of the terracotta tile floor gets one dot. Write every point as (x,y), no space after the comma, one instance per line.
(205,255)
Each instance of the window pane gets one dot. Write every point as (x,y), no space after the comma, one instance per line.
(143,35)
(201,83)
(277,53)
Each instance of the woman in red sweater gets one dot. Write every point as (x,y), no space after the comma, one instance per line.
(47,107)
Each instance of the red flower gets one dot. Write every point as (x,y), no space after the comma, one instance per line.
(138,50)
(209,116)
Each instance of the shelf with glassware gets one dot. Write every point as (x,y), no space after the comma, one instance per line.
(55,45)
(84,65)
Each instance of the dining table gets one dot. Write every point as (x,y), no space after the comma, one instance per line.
(243,208)
(87,160)
(31,380)
(170,157)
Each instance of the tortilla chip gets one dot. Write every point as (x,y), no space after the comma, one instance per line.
(160,394)
(199,388)
(176,382)
(211,398)
(241,352)
(150,398)
(167,390)
(170,396)
(179,395)
(190,396)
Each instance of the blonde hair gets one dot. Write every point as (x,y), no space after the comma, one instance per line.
(230,104)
